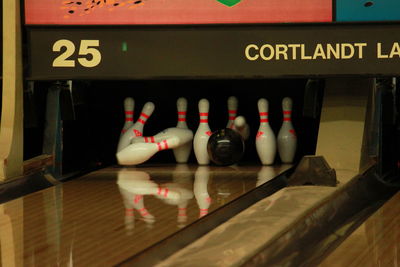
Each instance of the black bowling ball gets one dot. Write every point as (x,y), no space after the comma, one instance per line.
(225,147)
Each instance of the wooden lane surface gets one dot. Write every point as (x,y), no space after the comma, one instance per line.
(89,221)
(375,243)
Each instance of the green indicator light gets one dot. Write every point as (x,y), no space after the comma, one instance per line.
(124,46)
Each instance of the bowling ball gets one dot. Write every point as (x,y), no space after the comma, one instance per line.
(225,147)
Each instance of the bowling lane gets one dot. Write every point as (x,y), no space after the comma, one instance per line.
(112,214)
(376,242)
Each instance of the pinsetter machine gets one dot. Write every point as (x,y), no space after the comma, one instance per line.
(64,84)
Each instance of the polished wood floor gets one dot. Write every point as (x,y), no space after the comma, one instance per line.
(109,215)
(375,243)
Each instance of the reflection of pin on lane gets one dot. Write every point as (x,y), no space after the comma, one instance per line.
(287,139)
(182,153)
(202,135)
(139,152)
(137,128)
(203,199)
(182,183)
(266,174)
(129,211)
(139,183)
(265,139)
(129,105)
(232,111)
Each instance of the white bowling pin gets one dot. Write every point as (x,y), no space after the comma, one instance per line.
(200,189)
(241,126)
(232,111)
(139,152)
(182,153)
(265,139)
(287,139)
(202,135)
(129,105)
(137,128)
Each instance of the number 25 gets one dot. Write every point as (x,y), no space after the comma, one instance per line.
(86,47)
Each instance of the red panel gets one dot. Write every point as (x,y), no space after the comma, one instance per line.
(176,11)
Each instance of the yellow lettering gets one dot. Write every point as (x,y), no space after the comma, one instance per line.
(281,49)
(395,50)
(294,52)
(379,51)
(247,52)
(319,52)
(360,47)
(271,54)
(333,51)
(350,51)
(303,52)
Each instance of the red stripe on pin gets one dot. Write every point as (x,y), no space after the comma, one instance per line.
(128,212)
(232,111)
(137,198)
(141,121)
(181,119)
(159,146)
(144,115)
(181,112)
(287,119)
(203,113)
(232,118)
(128,119)
(166,192)
(287,112)
(165,144)
(203,120)
(152,139)
(129,112)
(264,120)
(263,113)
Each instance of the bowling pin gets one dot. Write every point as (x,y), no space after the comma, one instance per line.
(240,125)
(265,139)
(202,135)
(137,128)
(182,153)
(232,110)
(139,152)
(129,105)
(200,189)
(287,139)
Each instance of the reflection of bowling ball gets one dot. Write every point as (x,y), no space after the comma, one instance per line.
(225,147)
